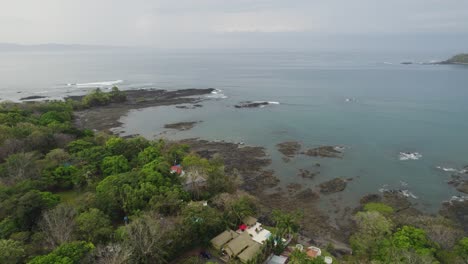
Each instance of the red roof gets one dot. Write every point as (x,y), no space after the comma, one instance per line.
(243,227)
(176,169)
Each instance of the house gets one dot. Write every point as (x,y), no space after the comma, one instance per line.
(258,233)
(249,221)
(250,252)
(223,238)
(177,169)
(193,180)
(237,245)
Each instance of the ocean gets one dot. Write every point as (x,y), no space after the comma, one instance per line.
(366,102)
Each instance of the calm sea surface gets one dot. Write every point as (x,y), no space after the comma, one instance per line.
(369,103)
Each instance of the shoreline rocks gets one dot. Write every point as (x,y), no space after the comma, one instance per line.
(182,126)
(289,149)
(255,104)
(333,186)
(324,152)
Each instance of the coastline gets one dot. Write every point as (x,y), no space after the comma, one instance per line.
(251,164)
(106,117)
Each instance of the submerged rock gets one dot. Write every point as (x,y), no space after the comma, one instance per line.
(307,174)
(333,186)
(255,104)
(307,194)
(182,126)
(289,149)
(324,152)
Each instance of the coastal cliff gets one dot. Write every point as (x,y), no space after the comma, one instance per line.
(461,58)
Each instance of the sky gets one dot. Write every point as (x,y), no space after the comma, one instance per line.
(236,23)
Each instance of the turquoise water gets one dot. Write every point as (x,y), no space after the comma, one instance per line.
(393,108)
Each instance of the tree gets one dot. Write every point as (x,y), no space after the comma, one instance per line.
(116,95)
(112,254)
(372,228)
(11,251)
(31,205)
(58,224)
(94,225)
(202,222)
(96,98)
(115,165)
(462,249)
(148,154)
(286,224)
(145,238)
(70,253)
(411,238)
(21,166)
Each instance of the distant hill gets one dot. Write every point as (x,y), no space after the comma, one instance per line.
(461,58)
(50,47)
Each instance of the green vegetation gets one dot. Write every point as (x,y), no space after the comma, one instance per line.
(75,196)
(379,207)
(458,59)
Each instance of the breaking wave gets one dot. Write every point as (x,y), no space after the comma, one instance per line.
(95,84)
(410,156)
(217,94)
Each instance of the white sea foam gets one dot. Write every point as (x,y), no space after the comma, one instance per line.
(339,148)
(217,94)
(403,183)
(448,169)
(410,156)
(458,198)
(95,84)
(388,63)
(407,193)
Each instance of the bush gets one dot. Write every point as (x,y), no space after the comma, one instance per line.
(379,207)
(96,98)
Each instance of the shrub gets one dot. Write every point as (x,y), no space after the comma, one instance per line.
(378,207)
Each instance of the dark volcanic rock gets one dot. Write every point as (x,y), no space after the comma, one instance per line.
(396,199)
(333,186)
(324,152)
(294,187)
(249,104)
(289,149)
(34,97)
(307,194)
(370,198)
(182,126)
(456,211)
(307,174)
(463,187)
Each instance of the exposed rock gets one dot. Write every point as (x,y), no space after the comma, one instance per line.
(396,199)
(189,107)
(34,97)
(256,104)
(370,198)
(267,179)
(307,174)
(182,126)
(333,186)
(463,187)
(324,152)
(456,210)
(289,149)
(107,117)
(307,194)
(294,187)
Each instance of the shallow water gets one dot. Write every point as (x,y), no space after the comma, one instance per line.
(368,103)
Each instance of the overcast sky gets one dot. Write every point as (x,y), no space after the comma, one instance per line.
(230,23)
